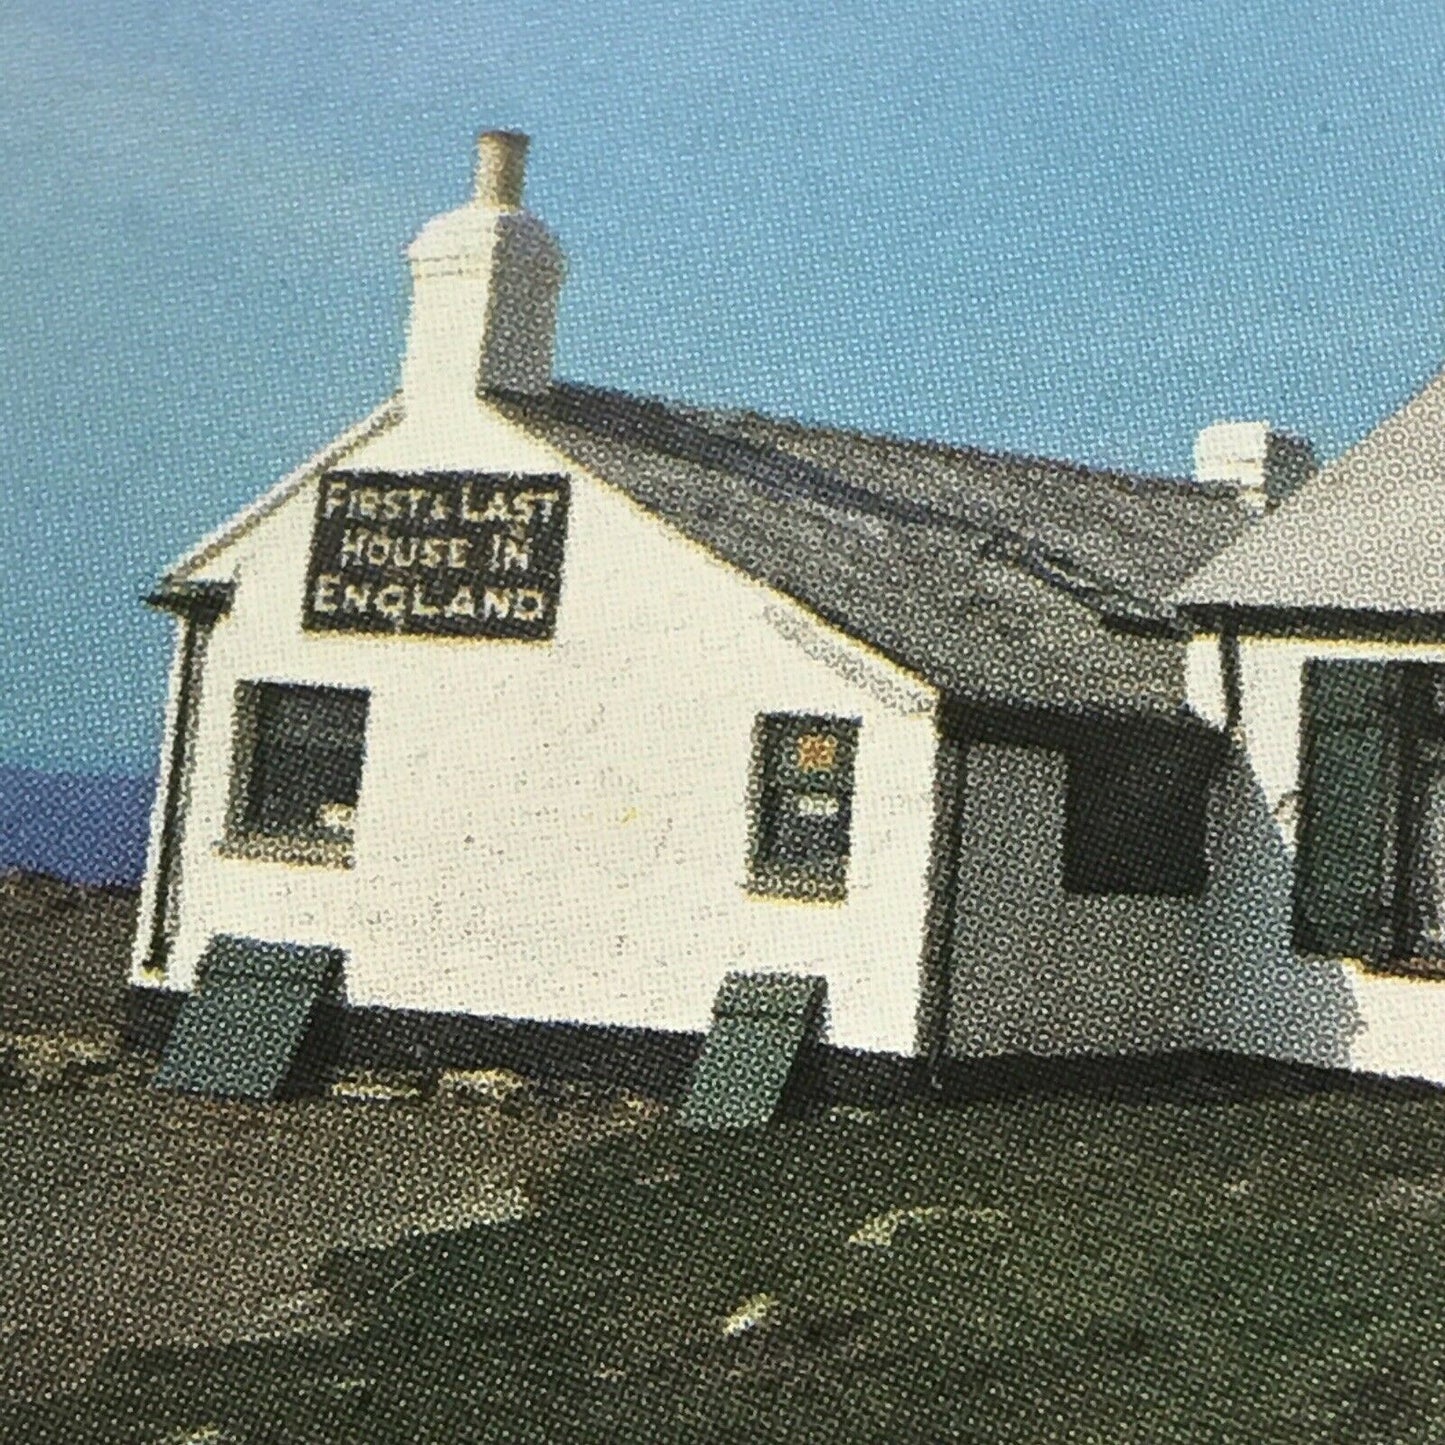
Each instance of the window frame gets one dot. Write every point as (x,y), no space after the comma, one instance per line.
(1418,724)
(820,880)
(1399,709)
(243,838)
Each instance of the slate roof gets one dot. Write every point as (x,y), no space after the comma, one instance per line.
(1366,534)
(1000,579)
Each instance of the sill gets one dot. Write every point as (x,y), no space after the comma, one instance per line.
(1156,895)
(1427,968)
(789,887)
(314,852)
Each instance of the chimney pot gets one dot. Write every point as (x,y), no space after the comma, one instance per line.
(1260,465)
(501,169)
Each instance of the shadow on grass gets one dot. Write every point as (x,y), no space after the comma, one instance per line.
(1250,1259)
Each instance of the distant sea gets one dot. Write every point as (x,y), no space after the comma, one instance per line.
(85,827)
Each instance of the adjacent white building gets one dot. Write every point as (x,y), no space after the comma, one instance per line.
(545,707)
(1321,650)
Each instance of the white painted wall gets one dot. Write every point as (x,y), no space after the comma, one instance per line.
(1265,998)
(485,284)
(1204,679)
(1258,996)
(560,830)
(485,287)
(1040,971)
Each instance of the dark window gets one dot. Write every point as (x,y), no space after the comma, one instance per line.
(1370,862)
(1134,820)
(298,763)
(1350,767)
(803,804)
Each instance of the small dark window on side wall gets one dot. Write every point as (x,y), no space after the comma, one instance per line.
(1134,817)
(802,805)
(297,771)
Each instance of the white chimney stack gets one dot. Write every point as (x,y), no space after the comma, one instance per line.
(1259,465)
(485,282)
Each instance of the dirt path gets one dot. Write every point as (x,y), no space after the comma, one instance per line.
(130,1217)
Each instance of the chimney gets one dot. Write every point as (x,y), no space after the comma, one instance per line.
(485,282)
(501,169)
(1259,465)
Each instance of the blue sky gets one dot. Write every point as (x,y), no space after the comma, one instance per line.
(1080,230)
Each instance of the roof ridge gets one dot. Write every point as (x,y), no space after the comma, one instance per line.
(810,481)
(1129,481)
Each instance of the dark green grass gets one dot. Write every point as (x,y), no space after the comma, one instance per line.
(1270,1270)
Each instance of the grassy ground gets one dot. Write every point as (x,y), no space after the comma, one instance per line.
(131,1217)
(1032,1270)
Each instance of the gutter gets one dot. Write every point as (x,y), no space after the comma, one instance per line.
(1371,624)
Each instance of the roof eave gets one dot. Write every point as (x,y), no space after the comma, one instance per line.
(237,526)
(204,602)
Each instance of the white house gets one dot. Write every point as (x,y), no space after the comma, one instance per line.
(1321,648)
(544,707)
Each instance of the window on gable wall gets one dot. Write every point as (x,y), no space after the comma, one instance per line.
(1134,815)
(296,770)
(802,805)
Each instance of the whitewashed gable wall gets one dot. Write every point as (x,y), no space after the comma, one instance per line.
(560,830)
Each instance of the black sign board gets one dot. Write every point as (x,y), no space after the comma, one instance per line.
(456,554)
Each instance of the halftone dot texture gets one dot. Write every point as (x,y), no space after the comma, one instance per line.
(1365,535)
(87,827)
(1038,229)
(1069,234)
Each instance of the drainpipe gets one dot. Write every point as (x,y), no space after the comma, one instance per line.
(198,606)
(1233,688)
(936,992)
